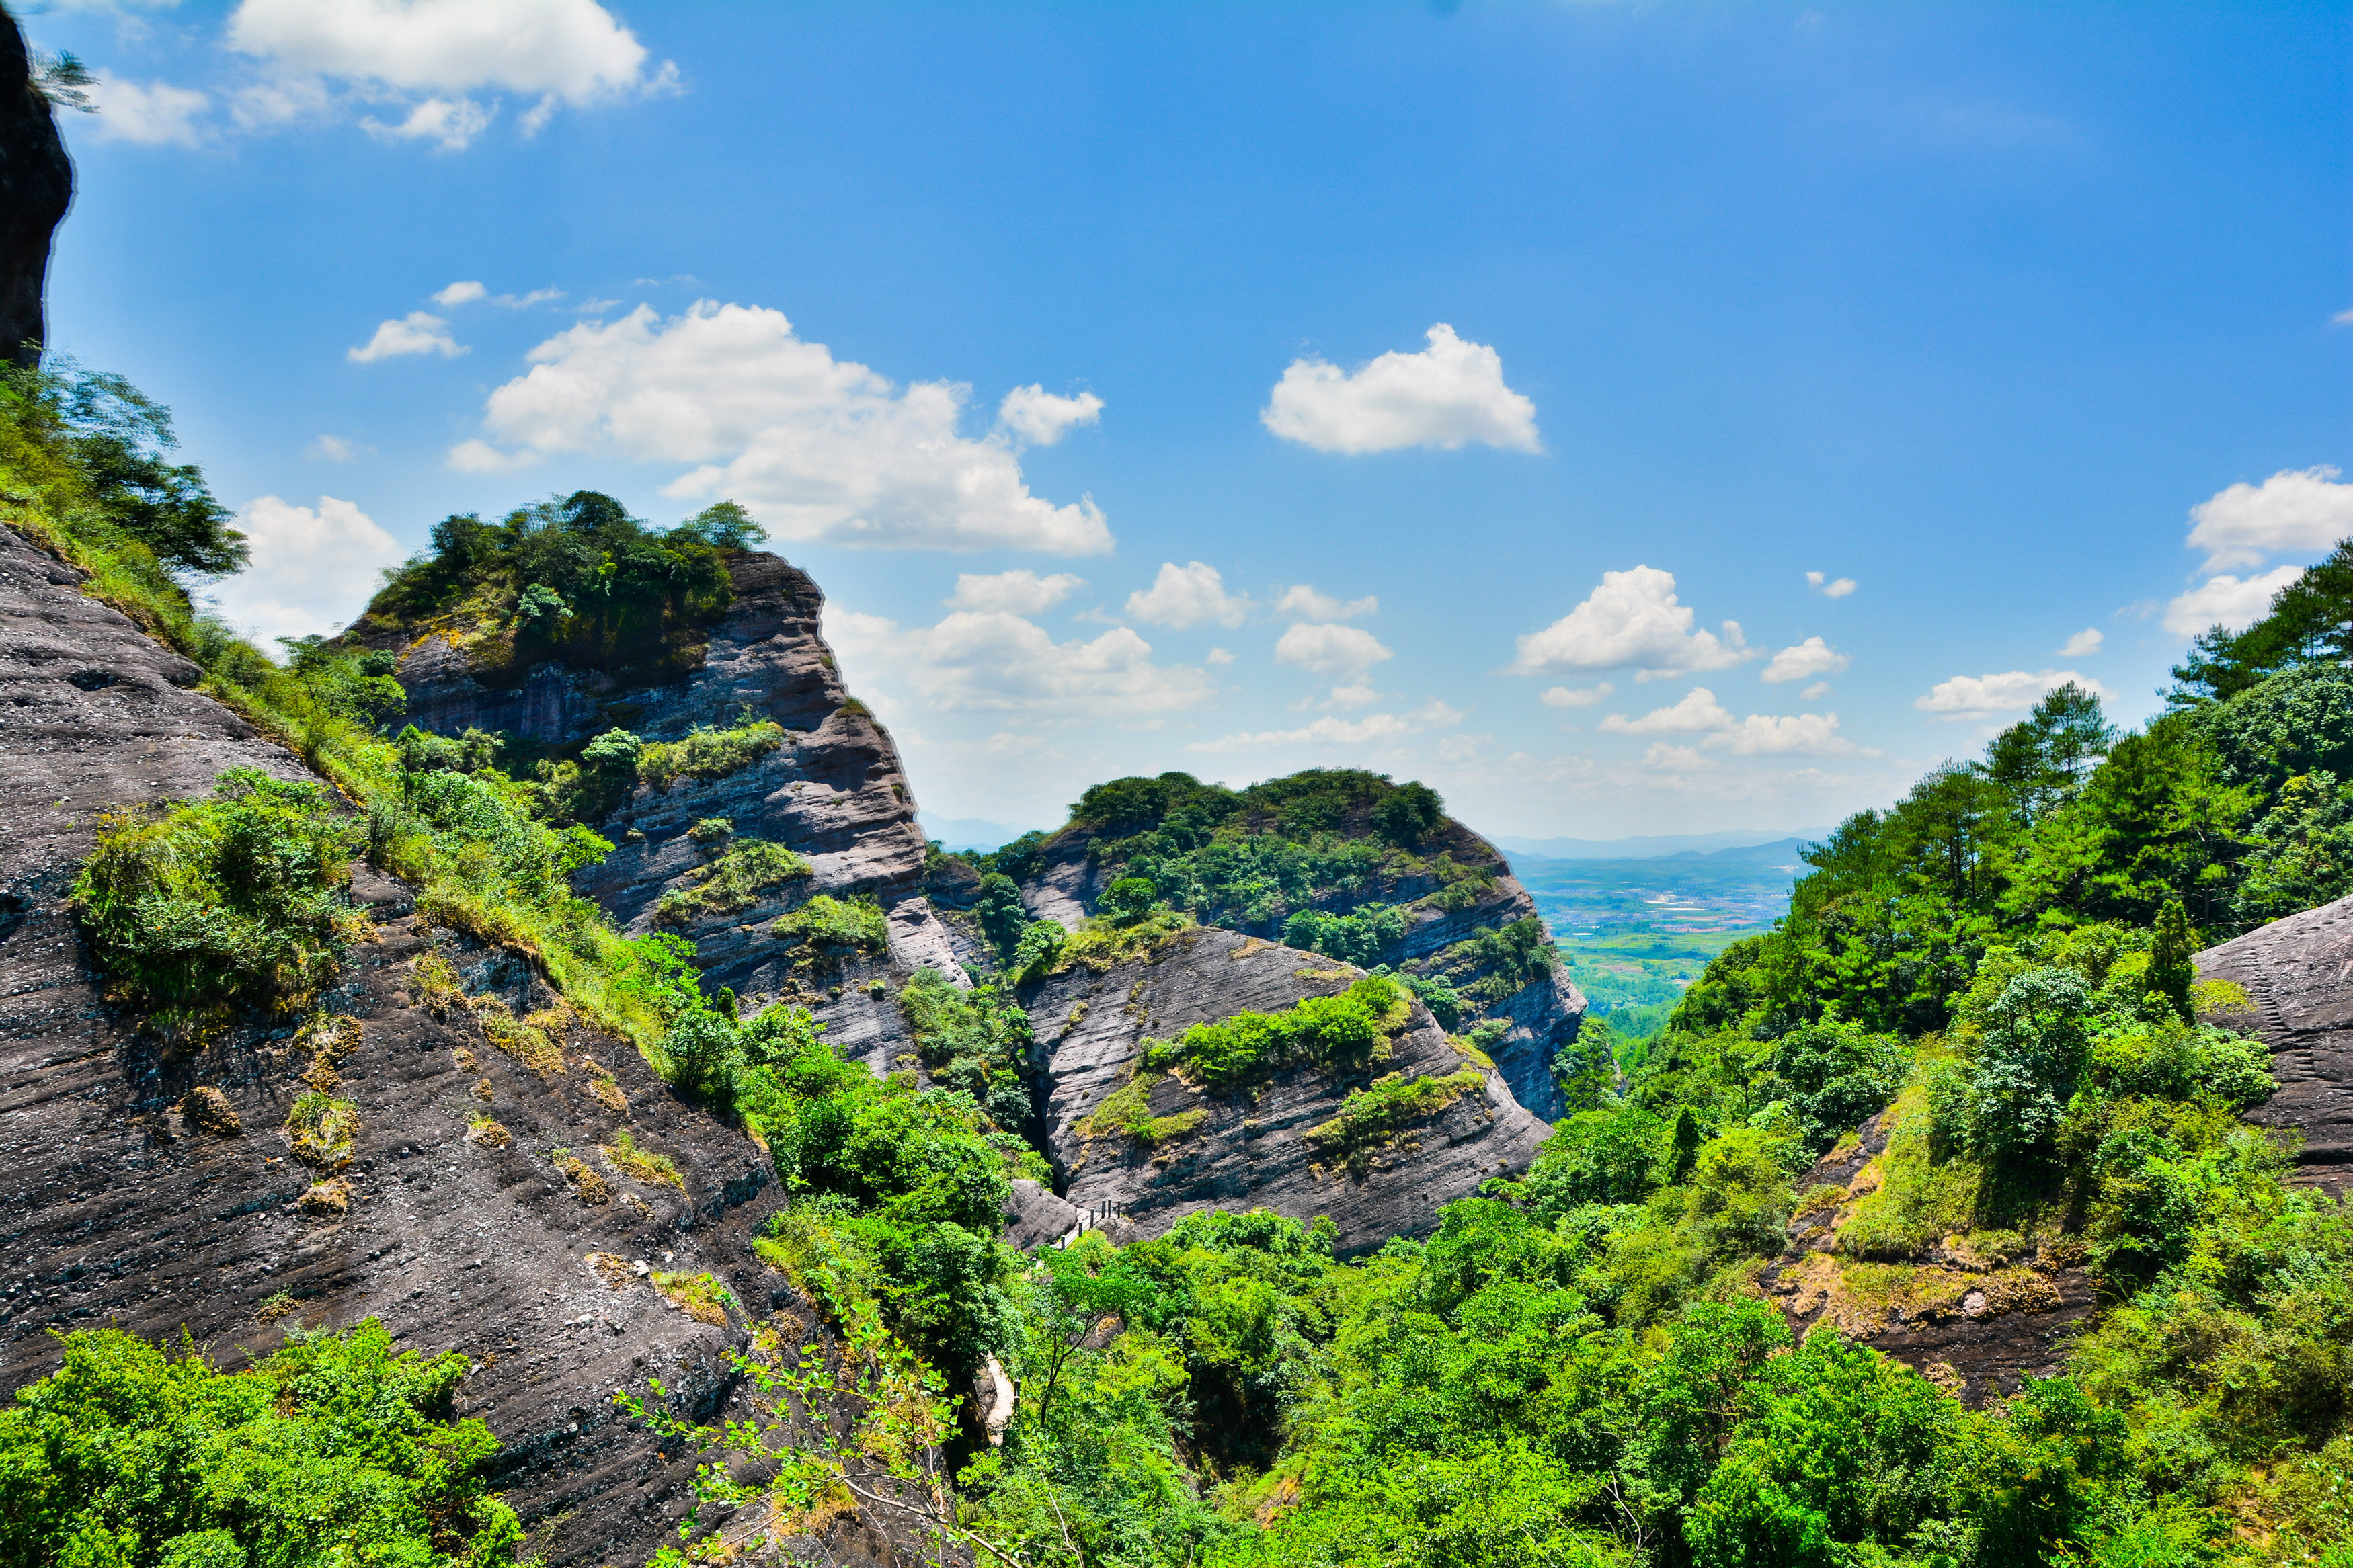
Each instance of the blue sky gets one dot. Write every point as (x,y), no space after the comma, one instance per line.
(1411,387)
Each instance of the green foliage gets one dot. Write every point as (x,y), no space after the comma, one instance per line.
(332,1449)
(735,881)
(574,578)
(1357,937)
(95,446)
(1373,1117)
(1832,1076)
(234,901)
(833,928)
(2306,625)
(1236,1054)
(708,753)
(978,1044)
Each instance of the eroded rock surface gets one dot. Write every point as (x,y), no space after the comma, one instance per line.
(1976,1327)
(1541,1014)
(134,1201)
(2299,974)
(833,792)
(1251,1150)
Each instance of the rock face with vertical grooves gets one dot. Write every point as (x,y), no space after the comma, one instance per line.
(35,188)
(1251,1150)
(2298,972)
(833,792)
(125,1209)
(1541,1016)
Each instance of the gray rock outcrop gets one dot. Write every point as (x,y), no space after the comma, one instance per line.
(2298,972)
(1252,1151)
(1541,1014)
(833,792)
(35,188)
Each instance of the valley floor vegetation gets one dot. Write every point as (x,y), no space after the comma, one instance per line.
(1574,1368)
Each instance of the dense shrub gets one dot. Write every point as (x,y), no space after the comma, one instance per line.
(735,881)
(237,899)
(333,1450)
(1237,1053)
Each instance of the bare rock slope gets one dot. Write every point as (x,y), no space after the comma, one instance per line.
(159,1192)
(1252,1150)
(2298,972)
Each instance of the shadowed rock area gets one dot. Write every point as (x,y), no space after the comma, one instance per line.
(2299,974)
(35,188)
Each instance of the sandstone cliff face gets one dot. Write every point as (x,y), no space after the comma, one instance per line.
(833,792)
(1251,1150)
(1542,1016)
(2299,974)
(131,1204)
(36,187)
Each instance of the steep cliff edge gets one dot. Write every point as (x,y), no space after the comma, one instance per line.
(1343,863)
(35,188)
(827,786)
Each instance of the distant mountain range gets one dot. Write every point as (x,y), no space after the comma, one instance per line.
(969,832)
(1760,847)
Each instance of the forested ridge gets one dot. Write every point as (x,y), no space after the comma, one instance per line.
(1577,1367)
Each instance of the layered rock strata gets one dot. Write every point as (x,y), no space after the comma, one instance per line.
(2298,973)
(833,792)
(1541,1014)
(1251,1150)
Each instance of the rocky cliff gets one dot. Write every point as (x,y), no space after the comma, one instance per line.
(1250,1150)
(36,186)
(1453,888)
(833,792)
(2298,972)
(158,1191)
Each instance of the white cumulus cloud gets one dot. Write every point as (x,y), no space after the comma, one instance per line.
(1301,602)
(817,448)
(150,116)
(1574,696)
(463,292)
(1804,661)
(1631,620)
(2012,691)
(314,567)
(1342,653)
(2306,511)
(1830,590)
(433,56)
(1448,395)
(2232,602)
(1806,734)
(1042,418)
(1020,592)
(1186,596)
(993,661)
(419,332)
(1698,713)
(2084,643)
(1373,729)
